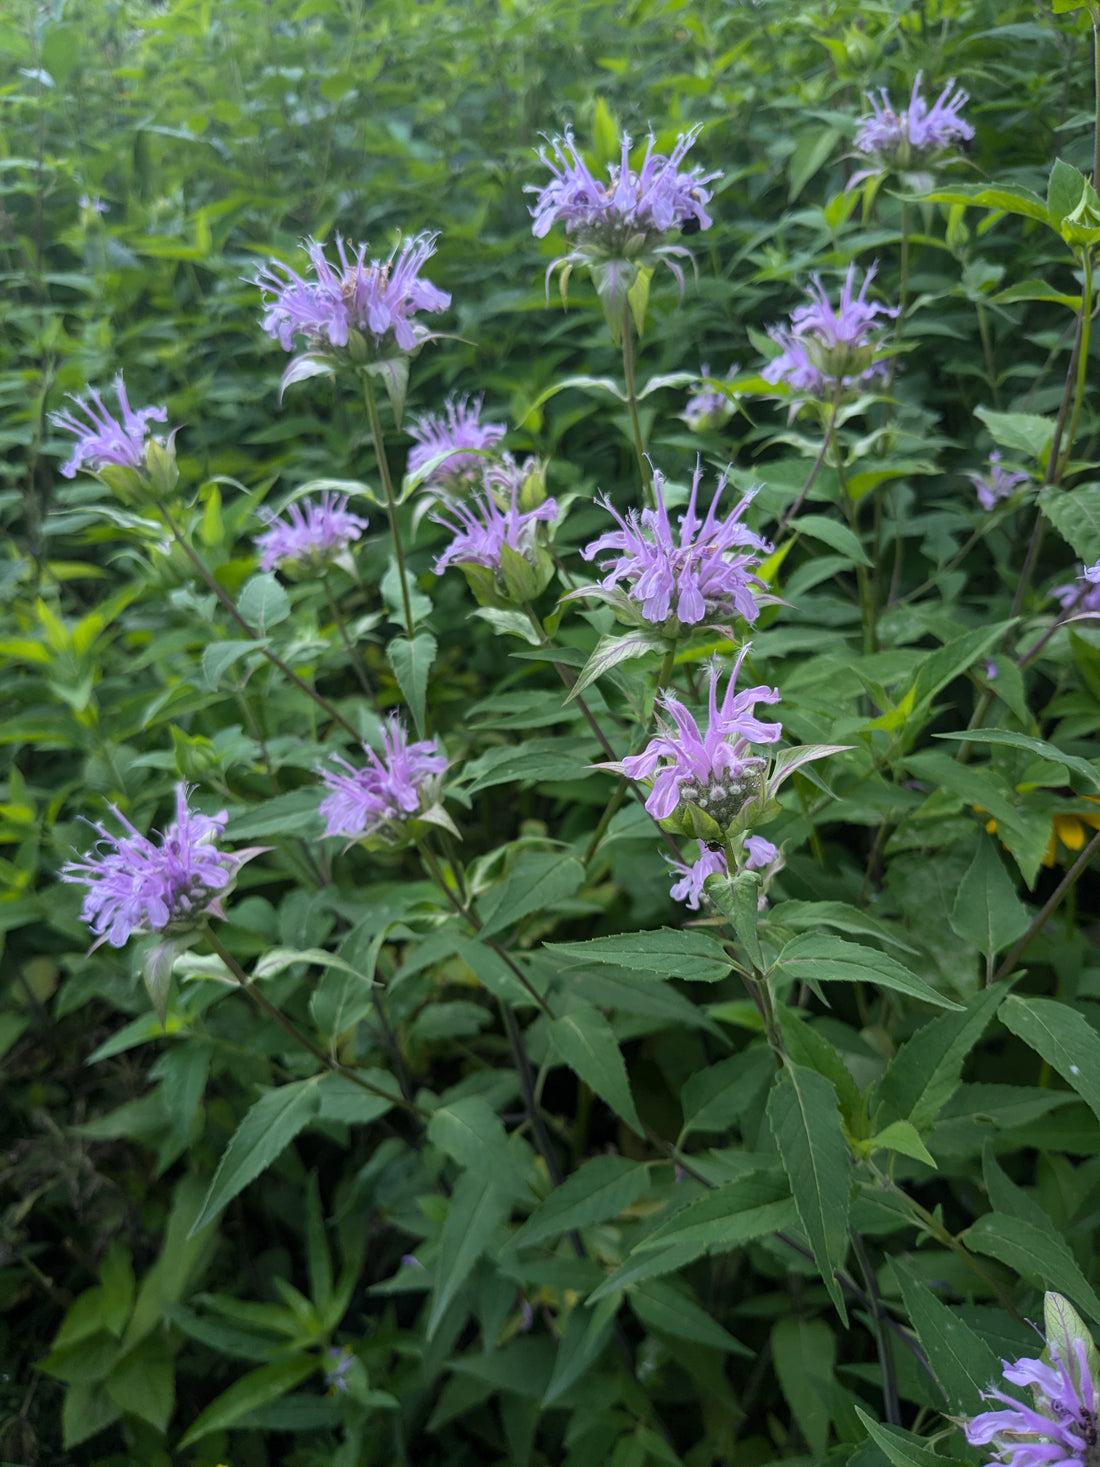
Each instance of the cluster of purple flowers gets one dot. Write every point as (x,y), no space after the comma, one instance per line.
(760,855)
(135,886)
(689,581)
(1060,1430)
(633,210)
(997,483)
(481,528)
(827,350)
(910,137)
(377,300)
(103,441)
(715,771)
(403,781)
(1081,598)
(455,431)
(312,533)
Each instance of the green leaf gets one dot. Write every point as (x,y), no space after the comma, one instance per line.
(1061,1036)
(347,1103)
(258,1388)
(144,1382)
(1026,433)
(901,1136)
(1064,1326)
(1035,290)
(1040,747)
(737,901)
(530,762)
(951,660)
(1075,514)
(841,915)
(616,647)
(267,1129)
(903,1448)
(263,602)
(88,1408)
(832,533)
(817,959)
(804,1351)
(712,1099)
(665,953)
(411,663)
(665,1308)
(219,657)
(1065,190)
(586,1334)
(473,1135)
(728,1216)
(807,1047)
(640,1266)
(116,1277)
(539,881)
(962,1362)
(599,1190)
(1004,200)
(585,1041)
(475,1212)
(927,1070)
(1036,1252)
(987,913)
(802,1111)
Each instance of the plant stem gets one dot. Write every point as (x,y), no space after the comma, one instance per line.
(632,403)
(527,1083)
(1060,620)
(1051,905)
(391,498)
(792,509)
(227,603)
(883,1343)
(262,1002)
(1082,365)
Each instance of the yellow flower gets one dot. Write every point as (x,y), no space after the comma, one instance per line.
(1069,829)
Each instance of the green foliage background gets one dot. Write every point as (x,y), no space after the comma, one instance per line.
(741,1264)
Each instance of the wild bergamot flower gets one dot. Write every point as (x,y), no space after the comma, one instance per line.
(103,441)
(828,349)
(311,535)
(391,788)
(913,136)
(454,431)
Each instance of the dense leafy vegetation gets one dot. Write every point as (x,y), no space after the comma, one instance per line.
(452,1136)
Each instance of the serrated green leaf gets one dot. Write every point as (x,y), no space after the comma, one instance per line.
(411,663)
(664,953)
(820,959)
(712,1099)
(538,881)
(267,1129)
(599,1190)
(832,533)
(1036,1252)
(144,1382)
(802,1111)
(962,1362)
(586,1042)
(665,1308)
(1075,514)
(475,1212)
(614,648)
(927,1070)
(903,1448)
(219,657)
(987,913)
(804,1351)
(1042,748)
(263,603)
(1061,1036)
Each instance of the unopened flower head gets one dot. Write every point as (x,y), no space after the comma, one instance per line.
(709,408)
(378,798)
(312,534)
(911,137)
(829,349)
(633,209)
(716,771)
(454,431)
(708,573)
(365,308)
(103,441)
(1082,595)
(137,886)
(1059,1430)
(997,483)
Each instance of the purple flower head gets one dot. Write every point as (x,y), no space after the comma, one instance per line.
(457,428)
(1059,1430)
(336,1374)
(135,886)
(692,879)
(93,203)
(707,574)
(377,300)
(633,210)
(761,853)
(312,533)
(717,770)
(1081,598)
(997,483)
(103,441)
(709,408)
(389,789)
(482,529)
(903,139)
(827,349)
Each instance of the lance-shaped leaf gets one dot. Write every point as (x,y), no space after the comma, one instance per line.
(614,648)
(802,1110)
(814,959)
(411,662)
(1061,1036)
(587,1044)
(258,1388)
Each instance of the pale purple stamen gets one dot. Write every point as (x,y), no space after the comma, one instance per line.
(915,133)
(483,529)
(1059,1430)
(827,348)
(388,788)
(311,531)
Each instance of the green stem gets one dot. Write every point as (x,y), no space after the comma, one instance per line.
(863,581)
(1082,366)
(262,1002)
(990,361)
(1096,85)
(792,509)
(391,498)
(227,603)
(1064,887)
(632,403)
